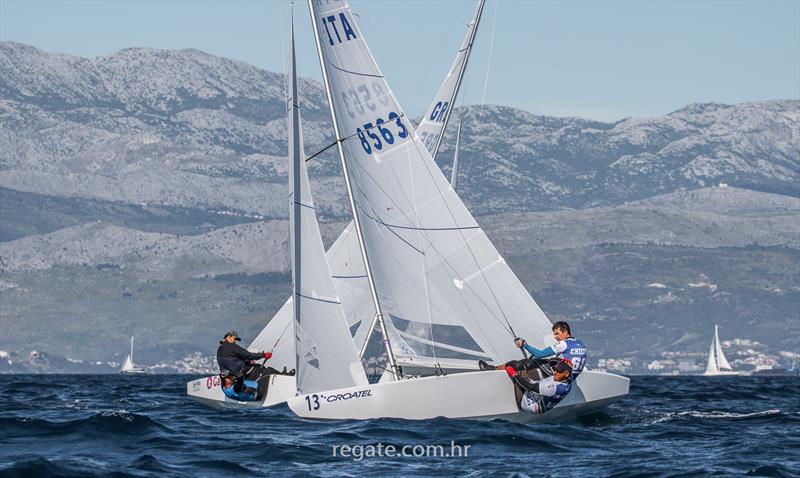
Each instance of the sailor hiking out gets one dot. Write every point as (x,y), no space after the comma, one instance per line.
(243,379)
(539,396)
(567,348)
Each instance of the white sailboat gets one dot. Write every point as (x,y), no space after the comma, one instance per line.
(344,256)
(128,366)
(717,363)
(441,291)
(349,277)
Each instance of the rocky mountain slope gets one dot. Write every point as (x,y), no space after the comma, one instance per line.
(187,129)
(144,193)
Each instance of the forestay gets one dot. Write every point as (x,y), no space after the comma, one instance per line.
(432,127)
(326,357)
(445,290)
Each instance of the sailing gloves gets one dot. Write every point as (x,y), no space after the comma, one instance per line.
(519,342)
(267,355)
(510,371)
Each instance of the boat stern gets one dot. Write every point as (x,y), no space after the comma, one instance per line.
(208,391)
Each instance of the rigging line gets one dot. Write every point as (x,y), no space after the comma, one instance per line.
(283,55)
(468,169)
(304,205)
(489,64)
(434,59)
(319,299)
(281,335)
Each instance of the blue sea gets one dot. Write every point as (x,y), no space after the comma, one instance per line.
(137,426)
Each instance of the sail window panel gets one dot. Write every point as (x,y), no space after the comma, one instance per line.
(453,335)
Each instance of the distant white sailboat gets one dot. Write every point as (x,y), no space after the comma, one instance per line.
(717,363)
(128,366)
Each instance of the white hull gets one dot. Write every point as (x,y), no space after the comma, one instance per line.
(721,373)
(473,395)
(134,370)
(209,392)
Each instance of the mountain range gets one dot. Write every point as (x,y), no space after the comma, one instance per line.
(142,193)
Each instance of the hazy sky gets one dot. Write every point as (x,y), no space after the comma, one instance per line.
(596,59)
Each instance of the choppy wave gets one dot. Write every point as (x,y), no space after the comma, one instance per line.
(146,426)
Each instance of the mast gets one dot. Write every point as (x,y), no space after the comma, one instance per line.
(373,291)
(131,350)
(294,122)
(454,174)
(460,77)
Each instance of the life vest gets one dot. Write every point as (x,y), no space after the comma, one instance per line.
(249,393)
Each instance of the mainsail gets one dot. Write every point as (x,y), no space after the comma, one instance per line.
(444,289)
(322,341)
(344,256)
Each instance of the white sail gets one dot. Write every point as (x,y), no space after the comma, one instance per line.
(722,362)
(344,256)
(277,338)
(326,357)
(717,363)
(127,365)
(444,288)
(432,127)
(711,365)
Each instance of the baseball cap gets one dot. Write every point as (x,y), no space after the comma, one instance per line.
(232,333)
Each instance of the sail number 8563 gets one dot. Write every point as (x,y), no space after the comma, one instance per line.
(384,135)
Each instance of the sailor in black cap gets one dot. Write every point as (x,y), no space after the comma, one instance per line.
(236,362)
(234,358)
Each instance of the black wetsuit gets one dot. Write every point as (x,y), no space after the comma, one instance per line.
(234,358)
